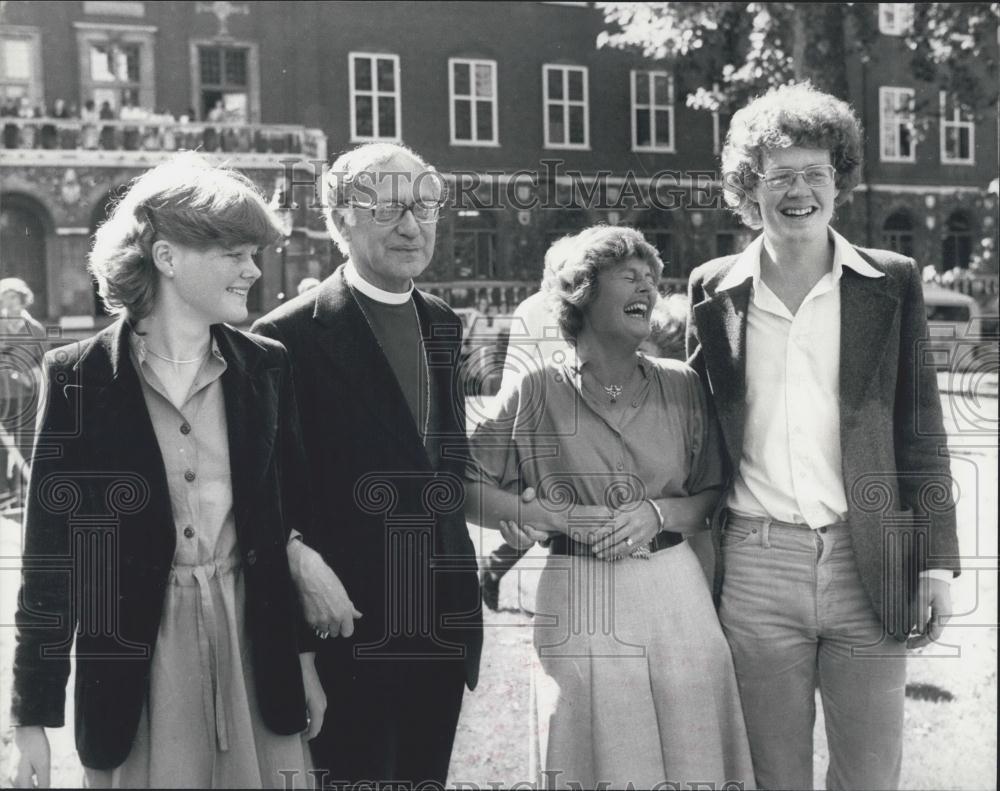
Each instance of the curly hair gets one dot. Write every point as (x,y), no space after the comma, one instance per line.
(342,178)
(792,115)
(573,263)
(185,200)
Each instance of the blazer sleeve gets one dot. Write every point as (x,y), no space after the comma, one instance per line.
(922,459)
(45,619)
(294,482)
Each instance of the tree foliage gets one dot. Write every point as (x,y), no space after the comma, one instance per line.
(723,53)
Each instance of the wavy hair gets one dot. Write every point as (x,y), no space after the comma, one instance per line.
(573,263)
(185,200)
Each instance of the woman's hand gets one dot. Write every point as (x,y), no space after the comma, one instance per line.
(315,696)
(327,607)
(33,760)
(629,530)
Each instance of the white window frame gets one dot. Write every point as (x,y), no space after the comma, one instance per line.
(566,103)
(890,124)
(471,97)
(375,95)
(895,19)
(144,36)
(35,84)
(956,121)
(650,76)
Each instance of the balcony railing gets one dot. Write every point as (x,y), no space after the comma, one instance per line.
(75,141)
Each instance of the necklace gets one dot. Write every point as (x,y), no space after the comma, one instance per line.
(614,391)
(172,360)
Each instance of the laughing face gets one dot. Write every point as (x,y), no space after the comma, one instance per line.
(799,212)
(212,284)
(624,301)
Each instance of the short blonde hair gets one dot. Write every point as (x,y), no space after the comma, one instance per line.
(185,200)
(792,115)
(573,263)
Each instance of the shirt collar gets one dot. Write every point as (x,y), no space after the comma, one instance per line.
(747,265)
(356,281)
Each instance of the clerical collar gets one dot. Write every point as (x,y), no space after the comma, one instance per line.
(356,281)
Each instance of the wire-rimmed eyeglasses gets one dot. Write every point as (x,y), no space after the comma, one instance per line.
(783,178)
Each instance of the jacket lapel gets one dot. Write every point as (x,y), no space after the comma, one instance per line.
(251,396)
(349,342)
(867,316)
(722,330)
(127,436)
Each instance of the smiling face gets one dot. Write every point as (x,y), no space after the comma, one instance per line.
(798,213)
(212,284)
(391,256)
(624,299)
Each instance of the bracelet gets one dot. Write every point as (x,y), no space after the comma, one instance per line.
(659,513)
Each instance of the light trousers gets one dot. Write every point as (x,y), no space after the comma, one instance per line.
(797,617)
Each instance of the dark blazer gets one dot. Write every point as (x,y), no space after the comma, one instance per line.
(100,537)
(895,461)
(372,473)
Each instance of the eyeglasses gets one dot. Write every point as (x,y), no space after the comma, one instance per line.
(783,178)
(391,213)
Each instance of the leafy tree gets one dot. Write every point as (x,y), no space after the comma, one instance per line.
(723,53)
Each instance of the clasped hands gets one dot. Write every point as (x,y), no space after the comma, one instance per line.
(612,533)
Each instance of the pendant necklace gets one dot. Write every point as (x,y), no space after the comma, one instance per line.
(614,391)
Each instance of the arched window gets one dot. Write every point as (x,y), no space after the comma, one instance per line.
(897,232)
(22,239)
(956,246)
(474,245)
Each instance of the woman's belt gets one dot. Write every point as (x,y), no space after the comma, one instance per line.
(563,545)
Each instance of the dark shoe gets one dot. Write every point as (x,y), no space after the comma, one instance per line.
(489,584)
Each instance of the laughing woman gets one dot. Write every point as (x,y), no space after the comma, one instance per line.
(635,683)
(166,473)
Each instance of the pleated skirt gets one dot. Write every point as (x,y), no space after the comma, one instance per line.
(633,682)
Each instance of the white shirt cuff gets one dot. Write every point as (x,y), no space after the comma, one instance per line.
(938,574)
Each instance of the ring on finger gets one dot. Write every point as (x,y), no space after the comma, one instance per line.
(629,542)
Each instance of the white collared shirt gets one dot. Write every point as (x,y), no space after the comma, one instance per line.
(791,469)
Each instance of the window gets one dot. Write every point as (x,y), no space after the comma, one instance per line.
(225,81)
(474,246)
(374,97)
(895,19)
(958,133)
(566,121)
(116,65)
(652,111)
(956,246)
(472,85)
(897,233)
(20,65)
(898,143)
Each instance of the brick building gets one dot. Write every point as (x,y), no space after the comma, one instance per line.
(514,96)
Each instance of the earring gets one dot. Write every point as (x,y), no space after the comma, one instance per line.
(171,272)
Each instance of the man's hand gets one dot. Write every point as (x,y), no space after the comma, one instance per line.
(325,603)
(629,530)
(315,696)
(933,611)
(33,759)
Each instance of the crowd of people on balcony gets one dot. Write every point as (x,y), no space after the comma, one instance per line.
(154,130)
